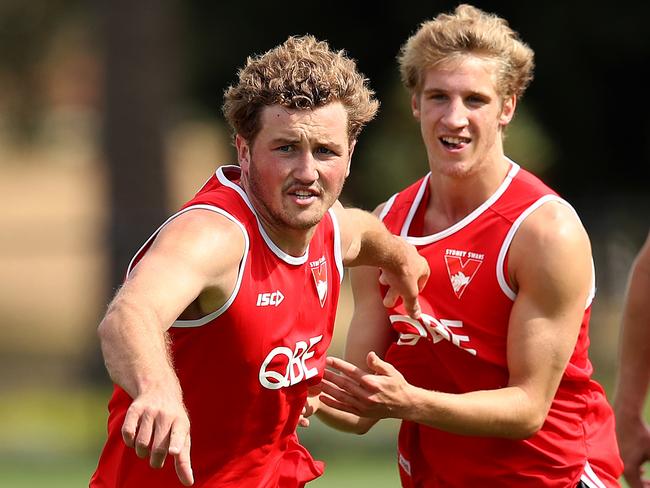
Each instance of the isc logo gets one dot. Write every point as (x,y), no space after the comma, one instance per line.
(292,365)
(266,299)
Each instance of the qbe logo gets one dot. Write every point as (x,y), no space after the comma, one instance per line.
(285,367)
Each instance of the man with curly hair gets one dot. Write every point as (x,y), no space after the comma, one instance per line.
(493,382)
(227,310)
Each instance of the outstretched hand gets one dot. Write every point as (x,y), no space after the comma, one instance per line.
(381,393)
(407,283)
(157,425)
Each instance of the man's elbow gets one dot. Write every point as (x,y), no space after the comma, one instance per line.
(108,331)
(105,329)
(527,426)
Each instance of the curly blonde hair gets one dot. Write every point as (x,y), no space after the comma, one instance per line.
(301,73)
(468,30)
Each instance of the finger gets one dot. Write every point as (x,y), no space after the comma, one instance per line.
(347,369)
(344,407)
(130,425)
(376,364)
(351,395)
(390,299)
(332,381)
(313,390)
(160,445)
(383,279)
(412,307)
(303,421)
(423,280)
(143,436)
(334,391)
(180,432)
(183,464)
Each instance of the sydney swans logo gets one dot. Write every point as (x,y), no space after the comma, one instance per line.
(319,272)
(461,267)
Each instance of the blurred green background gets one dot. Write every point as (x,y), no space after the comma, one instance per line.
(110,119)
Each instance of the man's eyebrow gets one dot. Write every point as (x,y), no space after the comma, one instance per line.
(285,140)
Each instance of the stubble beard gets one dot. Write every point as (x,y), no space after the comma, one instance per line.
(301,221)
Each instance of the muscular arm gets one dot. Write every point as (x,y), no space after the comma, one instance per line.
(552,290)
(634,371)
(365,241)
(194,257)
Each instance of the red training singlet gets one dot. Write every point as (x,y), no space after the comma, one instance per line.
(245,368)
(459,345)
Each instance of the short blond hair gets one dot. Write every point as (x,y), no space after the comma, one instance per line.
(468,30)
(301,73)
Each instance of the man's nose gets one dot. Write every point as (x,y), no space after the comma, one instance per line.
(306,168)
(456,114)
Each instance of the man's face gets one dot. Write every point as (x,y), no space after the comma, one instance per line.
(462,115)
(295,169)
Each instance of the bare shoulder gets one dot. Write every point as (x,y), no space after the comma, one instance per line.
(551,242)
(204,223)
(554,226)
(202,237)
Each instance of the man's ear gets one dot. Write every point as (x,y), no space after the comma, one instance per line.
(508,110)
(352,145)
(243,153)
(415,106)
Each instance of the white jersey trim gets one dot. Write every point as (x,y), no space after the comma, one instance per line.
(338,257)
(424,240)
(387,206)
(287,258)
(414,208)
(590,478)
(505,247)
(240,274)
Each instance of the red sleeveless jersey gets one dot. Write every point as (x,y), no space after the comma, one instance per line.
(245,368)
(459,345)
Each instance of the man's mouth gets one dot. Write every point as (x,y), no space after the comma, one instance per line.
(454,142)
(303,195)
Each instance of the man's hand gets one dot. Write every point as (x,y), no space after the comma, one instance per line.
(406,283)
(383,393)
(157,425)
(365,241)
(634,443)
(312,403)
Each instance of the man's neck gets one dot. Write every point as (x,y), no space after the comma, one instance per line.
(454,198)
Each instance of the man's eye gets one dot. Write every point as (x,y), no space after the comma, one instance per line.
(476,100)
(285,148)
(324,150)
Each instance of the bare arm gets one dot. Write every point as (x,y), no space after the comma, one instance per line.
(369,331)
(189,260)
(634,372)
(543,328)
(365,241)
